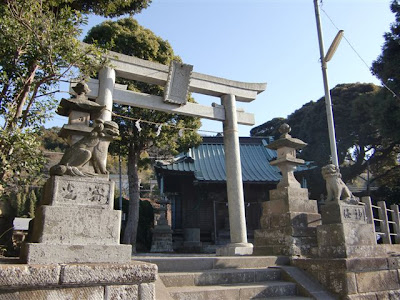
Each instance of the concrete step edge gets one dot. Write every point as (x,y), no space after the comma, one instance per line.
(286,298)
(222,271)
(198,263)
(236,291)
(230,286)
(220,276)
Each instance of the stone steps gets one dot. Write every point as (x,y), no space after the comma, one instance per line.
(217,277)
(191,263)
(235,291)
(286,298)
(233,277)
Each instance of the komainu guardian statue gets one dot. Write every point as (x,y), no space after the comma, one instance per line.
(87,149)
(335,187)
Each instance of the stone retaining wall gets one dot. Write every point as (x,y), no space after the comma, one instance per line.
(356,278)
(95,281)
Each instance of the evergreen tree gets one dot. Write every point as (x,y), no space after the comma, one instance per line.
(386,67)
(363,140)
(39,46)
(32,204)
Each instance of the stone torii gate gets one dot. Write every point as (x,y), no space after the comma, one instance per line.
(178,79)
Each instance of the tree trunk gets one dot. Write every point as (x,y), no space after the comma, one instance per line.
(7,216)
(22,96)
(130,233)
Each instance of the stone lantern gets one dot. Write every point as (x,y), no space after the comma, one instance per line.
(286,161)
(79,110)
(162,232)
(289,219)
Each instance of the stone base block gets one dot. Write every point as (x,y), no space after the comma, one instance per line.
(346,240)
(279,235)
(283,201)
(354,278)
(40,253)
(288,193)
(235,249)
(295,219)
(274,250)
(333,213)
(289,233)
(346,234)
(273,243)
(76,225)
(162,241)
(347,251)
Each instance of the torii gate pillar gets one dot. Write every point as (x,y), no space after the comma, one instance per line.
(106,89)
(105,97)
(234,184)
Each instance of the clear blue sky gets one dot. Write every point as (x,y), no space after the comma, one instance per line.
(272,41)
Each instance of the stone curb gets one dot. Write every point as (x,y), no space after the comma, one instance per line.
(17,276)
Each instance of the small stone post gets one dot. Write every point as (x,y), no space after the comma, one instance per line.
(234,183)
(289,219)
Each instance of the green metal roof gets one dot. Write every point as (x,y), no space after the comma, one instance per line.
(207,161)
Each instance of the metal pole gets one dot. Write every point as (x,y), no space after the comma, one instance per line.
(328,101)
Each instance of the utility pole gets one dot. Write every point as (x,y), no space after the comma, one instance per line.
(328,101)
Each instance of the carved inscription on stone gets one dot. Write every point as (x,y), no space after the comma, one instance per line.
(68,192)
(82,193)
(353,213)
(98,194)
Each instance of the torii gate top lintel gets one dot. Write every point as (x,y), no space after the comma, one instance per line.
(130,67)
(134,68)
